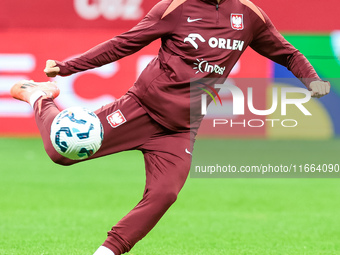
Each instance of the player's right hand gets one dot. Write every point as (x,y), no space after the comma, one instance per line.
(319,88)
(51,69)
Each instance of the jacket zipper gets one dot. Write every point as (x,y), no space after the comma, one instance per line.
(217,14)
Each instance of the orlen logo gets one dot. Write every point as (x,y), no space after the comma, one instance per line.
(227,44)
(220,43)
(191,39)
(109,9)
(203,66)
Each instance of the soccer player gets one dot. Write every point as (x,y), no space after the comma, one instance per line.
(154,115)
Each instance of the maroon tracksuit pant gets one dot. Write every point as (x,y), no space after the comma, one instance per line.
(167,163)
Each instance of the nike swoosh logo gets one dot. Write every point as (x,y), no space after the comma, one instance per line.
(193,20)
(187,151)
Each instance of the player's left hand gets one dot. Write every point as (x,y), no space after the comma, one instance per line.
(319,88)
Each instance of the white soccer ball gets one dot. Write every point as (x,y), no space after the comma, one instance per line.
(76,133)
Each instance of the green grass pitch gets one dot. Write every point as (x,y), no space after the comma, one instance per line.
(49,209)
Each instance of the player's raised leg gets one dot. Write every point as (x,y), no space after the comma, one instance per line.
(123,137)
(40,96)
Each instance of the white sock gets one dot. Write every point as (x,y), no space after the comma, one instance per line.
(35,96)
(102,250)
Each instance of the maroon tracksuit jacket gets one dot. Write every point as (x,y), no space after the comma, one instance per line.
(192,32)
